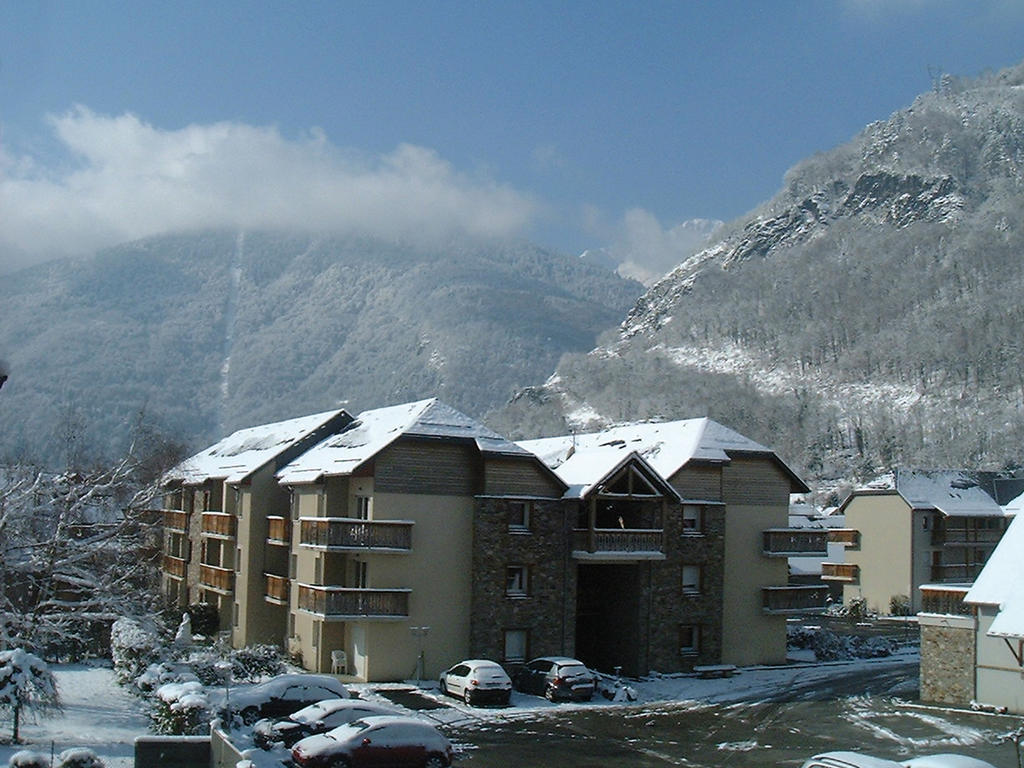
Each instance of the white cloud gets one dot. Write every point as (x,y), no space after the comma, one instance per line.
(646,250)
(130,179)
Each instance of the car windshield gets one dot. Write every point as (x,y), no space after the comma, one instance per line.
(573,670)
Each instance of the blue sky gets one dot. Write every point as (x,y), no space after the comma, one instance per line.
(550,120)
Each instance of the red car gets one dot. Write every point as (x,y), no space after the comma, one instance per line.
(388,740)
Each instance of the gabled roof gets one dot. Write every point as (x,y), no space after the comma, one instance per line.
(1000,583)
(953,492)
(242,453)
(589,468)
(374,430)
(665,446)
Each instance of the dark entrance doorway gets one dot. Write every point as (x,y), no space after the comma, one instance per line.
(608,617)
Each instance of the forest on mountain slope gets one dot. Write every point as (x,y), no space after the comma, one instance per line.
(866,316)
(198,334)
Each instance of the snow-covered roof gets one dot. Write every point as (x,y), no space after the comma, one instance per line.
(665,446)
(587,468)
(243,452)
(999,583)
(374,430)
(953,492)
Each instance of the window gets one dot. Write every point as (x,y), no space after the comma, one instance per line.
(689,639)
(234,614)
(293,503)
(291,625)
(691,579)
(293,566)
(693,519)
(516,644)
(238,559)
(924,522)
(519,515)
(362,510)
(359,574)
(515,580)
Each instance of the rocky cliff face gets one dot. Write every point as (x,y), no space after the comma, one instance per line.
(863,315)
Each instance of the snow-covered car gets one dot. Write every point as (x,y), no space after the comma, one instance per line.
(477,681)
(557,677)
(317,718)
(279,696)
(857,760)
(396,741)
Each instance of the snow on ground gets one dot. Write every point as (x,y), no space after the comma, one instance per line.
(98,714)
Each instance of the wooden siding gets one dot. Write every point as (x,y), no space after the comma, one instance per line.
(518,477)
(699,482)
(755,481)
(428,466)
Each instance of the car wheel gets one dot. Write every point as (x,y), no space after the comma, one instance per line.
(250,715)
(549,693)
(341,762)
(444,687)
(468,697)
(434,761)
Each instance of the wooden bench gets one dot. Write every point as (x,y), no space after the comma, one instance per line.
(709,671)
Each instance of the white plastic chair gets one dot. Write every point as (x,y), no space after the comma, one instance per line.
(339,662)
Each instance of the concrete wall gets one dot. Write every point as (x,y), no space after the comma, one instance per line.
(176,752)
(947,659)
(884,555)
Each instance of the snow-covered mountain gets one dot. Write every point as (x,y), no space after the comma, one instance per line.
(868,314)
(213,331)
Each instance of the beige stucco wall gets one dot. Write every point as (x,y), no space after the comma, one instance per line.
(1000,679)
(437,571)
(749,635)
(884,555)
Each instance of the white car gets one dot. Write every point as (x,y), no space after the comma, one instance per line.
(857,760)
(477,681)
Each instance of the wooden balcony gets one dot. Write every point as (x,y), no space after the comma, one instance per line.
(343,534)
(794,599)
(218,579)
(219,524)
(343,603)
(278,588)
(955,572)
(960,536)
(279,530)
(175,519)
(945,599)
(846,572)
(848,537)
(795,542)
(618,544)
(174,566)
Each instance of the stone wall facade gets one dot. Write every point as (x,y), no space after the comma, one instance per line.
(947,659)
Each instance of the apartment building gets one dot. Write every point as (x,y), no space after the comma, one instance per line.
(223,533)
(393,544)
(917,527)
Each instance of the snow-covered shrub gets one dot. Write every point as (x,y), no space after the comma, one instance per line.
(800,638)
(899,605)
(180,709)
(256,662)
(133,647)
(160,673)
(872,647)
(28,759)
(828,646)
(856,609)
(78,757)
(204,619)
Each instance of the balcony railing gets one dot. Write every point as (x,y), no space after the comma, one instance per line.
(175,519)
(350,603)
(950,600)
(960,536)
(221,579)
(848,572)
(219,524)
(279,530)
(343,533)
(794,599)
(795,542)
(955,572)
(618,544)
(278,588)
(848,537)
(174,566)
